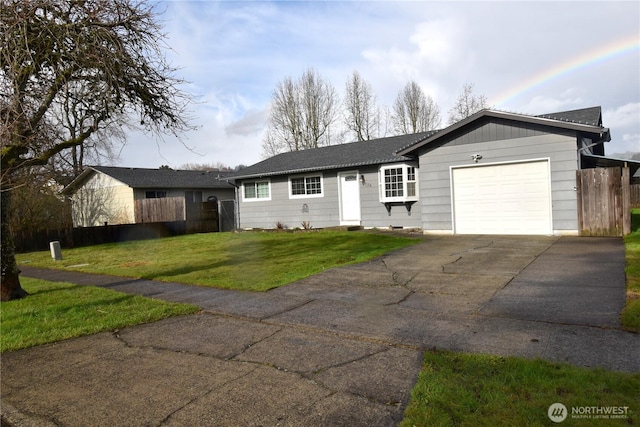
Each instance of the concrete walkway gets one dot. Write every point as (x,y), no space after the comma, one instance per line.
(343,347)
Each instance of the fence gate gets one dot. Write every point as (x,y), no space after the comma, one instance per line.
(604,207)
(227,215)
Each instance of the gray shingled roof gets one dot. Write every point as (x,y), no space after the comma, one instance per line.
(589,116)
(396,149)
(373,152)
(165,178)
(157,178)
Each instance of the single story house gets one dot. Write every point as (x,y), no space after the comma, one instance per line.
(494,172)
(107,194)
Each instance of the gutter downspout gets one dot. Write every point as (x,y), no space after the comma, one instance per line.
(602,140)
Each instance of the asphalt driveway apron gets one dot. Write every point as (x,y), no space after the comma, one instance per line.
(342,347)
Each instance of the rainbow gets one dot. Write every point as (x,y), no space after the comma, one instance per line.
(601,54)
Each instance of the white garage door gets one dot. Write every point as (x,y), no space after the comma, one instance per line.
(512,198)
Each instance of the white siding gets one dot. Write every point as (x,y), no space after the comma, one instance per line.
(101,200)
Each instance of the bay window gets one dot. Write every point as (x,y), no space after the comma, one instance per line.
(398,183)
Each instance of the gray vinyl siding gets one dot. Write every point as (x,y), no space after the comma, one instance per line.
(322,212)
(374,213)
(435,179)
(497,130)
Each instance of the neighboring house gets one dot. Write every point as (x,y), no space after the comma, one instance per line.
(105,194)
(491,173)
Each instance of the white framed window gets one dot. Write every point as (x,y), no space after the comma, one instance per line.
(398,183)
(306,186)
(253,191)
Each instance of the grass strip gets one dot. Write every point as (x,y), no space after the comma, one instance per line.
(243,261)
(55,311)
(456,389)
(630,317)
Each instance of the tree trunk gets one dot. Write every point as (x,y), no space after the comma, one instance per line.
(10,288)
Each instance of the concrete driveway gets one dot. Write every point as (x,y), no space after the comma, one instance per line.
(343,347)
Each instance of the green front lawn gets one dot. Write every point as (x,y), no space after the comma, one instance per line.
(452,389)
(243,261)
(55,311)
(456,389)
(631,314)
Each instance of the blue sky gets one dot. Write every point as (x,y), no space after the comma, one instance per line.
(527,57)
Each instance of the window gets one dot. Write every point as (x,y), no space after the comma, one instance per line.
(155,194)
(398,183)
(306,186)
(257,190)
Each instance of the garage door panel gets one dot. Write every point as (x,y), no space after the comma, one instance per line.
(502,199)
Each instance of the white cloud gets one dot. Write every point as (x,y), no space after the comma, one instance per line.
(625,115)
(235,53)
(568,100)
(252,123)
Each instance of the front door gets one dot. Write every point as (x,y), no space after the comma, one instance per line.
(349,198)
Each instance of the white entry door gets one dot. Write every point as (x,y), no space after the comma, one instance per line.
(349,198)
(512,198)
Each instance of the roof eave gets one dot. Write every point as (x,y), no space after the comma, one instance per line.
(73,185)
(317,169)
(582,127)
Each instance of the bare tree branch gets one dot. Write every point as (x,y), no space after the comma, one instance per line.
(301,115)
(70,69)
(414,112)
(466,104)
(361,115)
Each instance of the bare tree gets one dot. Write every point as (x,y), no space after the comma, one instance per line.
(414,112)
(302,113)
(37,204)
(97,148)
(466,104)
(217,166)
(104,56)
(361,115)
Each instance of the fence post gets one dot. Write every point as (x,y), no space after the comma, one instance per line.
(580,208)
(626,201)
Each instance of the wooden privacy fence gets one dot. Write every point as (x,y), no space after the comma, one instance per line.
(635,196)
(604,201)
(28,241)
(160,210)
(200,218)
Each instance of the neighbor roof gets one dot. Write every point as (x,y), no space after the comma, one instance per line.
(594,160)
(373,152)
(155,178)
